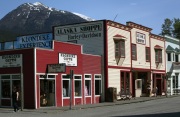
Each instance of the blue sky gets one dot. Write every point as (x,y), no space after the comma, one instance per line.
(149,13)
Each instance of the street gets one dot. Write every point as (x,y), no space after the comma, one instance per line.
(166,107)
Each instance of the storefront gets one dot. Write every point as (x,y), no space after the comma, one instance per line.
(130,53)
(28,70)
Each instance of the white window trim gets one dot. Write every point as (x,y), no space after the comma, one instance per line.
(94,83)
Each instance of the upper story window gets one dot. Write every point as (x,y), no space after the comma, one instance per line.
(158,56)
(169,56)
(147,54)
(119,48)
(134,52)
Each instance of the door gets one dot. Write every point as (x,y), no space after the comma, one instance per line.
(159,86)
(138,87)
(47,92)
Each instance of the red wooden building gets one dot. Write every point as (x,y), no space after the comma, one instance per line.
(27,69)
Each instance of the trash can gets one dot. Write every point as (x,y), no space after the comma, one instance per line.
(111,94)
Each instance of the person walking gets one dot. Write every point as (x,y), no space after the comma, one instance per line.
(156,91)
(15,97)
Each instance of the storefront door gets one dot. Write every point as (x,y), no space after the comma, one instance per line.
(47,92)
(138,87)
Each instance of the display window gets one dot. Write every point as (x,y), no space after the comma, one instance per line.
(98,83)
(77,86)
(87,90)
(66,86)
(47,90)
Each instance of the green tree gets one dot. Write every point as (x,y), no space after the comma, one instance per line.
(176,25)
(171,27)
(167,27)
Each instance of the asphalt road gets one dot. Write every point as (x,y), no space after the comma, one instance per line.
(166,107)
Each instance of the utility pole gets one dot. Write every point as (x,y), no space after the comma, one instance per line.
(71,79)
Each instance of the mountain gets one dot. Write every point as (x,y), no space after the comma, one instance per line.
(31,18)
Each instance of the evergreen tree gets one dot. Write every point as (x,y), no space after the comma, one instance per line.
(167,27)
(171,27)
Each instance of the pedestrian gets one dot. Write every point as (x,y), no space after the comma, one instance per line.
(156,91)
(15,98)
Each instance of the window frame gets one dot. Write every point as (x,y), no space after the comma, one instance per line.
(77,80)
(119,48)
(89,79)
(68,90)
(134,51)
(100,87)
(147,54)
(169,57)
(158,55)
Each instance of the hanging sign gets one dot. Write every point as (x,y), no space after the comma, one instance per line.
(13,60)
(56,68)
(68,59)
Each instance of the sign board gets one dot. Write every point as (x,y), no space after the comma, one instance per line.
(56,68)
(68,59)
(13,60)
(140,38)
(38,40)
(90,35)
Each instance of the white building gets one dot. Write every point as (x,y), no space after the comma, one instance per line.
(173,64)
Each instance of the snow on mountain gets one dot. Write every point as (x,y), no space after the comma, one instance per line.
(83,16)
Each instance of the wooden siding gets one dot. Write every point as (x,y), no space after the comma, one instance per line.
(112,31)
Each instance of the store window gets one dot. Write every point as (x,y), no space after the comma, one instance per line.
(147,54)
(66,86)
(158,56)
(98,84)
(87,85)
(78,86)
(5,86)
(119,48)
(134,52)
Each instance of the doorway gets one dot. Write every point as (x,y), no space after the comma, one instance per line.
(47,92)
(158,84)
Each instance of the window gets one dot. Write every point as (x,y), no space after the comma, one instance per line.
(169,56)
(134,52)
(174,81)
(5,86)
(8,45)
(176,84)
(78,86)
(120,49)
(66,86)
(158,56)
(87,89)
(147,54)
(176,58)
(97,84)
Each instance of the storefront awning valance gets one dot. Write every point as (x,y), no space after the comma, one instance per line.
(119,37)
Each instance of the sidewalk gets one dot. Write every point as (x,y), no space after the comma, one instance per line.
(78,107)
